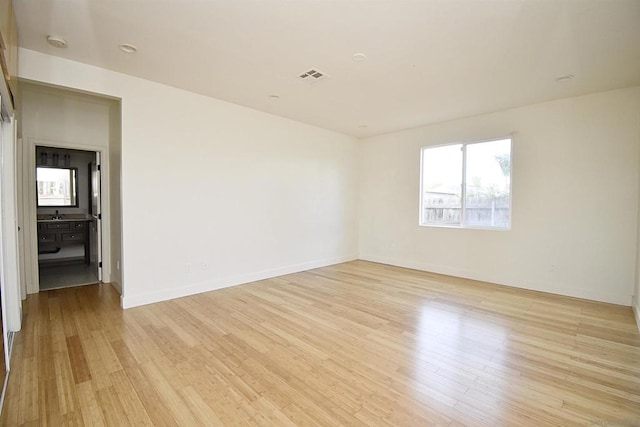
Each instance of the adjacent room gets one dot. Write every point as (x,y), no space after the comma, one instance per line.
(320,212)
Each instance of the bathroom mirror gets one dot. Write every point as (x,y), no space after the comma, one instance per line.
(57,187)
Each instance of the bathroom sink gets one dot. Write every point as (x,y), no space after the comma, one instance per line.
(65,219)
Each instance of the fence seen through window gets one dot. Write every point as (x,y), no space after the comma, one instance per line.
(467,185)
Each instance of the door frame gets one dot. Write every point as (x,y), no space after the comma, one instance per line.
(97,214)
(30,221)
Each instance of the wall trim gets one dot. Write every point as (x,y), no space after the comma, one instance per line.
(130,301)
(635,305)
(532,286)
(30,252)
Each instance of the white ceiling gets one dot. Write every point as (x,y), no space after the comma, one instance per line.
(427,60)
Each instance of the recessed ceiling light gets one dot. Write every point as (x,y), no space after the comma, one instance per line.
(359,57)
(56,41)
(274,97)
(128,48)
(564,78)
(363,126)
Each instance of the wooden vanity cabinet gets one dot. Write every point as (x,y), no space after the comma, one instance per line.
(54,235)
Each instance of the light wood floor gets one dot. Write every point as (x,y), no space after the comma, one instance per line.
(352,344)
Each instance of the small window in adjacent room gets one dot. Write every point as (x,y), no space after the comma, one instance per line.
(467,185)
(57,187)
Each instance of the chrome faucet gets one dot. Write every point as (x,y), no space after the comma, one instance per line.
(57,216)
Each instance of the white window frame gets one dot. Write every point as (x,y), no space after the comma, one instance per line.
(464,145)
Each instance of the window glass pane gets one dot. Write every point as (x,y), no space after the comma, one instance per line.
(56,186)
(442,185)
(488,184)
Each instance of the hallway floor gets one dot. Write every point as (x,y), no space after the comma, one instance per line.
(65,275)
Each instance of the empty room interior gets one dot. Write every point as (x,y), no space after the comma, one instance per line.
(317,212)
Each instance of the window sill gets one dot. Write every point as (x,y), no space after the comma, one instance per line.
(467,227)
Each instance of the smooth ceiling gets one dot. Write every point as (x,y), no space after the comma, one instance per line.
(427,61)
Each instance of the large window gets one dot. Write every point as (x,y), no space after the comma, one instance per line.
(467,185)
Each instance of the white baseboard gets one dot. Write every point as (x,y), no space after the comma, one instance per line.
(635,304)
(594,295)
(129,301)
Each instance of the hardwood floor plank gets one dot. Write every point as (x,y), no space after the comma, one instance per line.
(92,414)
(65,384)
(79,365)
(156,410)
(112,408)
(132,407)
(199,408)
(353,344)
(168,394)
(28,400)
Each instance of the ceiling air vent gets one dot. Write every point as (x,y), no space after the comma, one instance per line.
(313,75)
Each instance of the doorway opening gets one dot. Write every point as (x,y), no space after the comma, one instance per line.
(68,206)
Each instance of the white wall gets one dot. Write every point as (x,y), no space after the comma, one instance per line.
(214,194)
(575,199)
(9,256)
(115,159)
(56,115)
(636,292)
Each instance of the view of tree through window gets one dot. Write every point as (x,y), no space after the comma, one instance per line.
(467,184)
